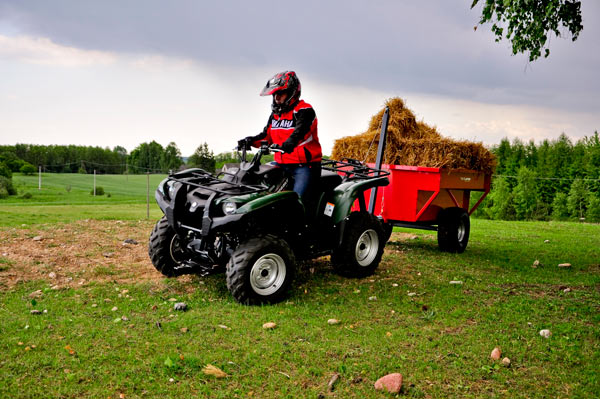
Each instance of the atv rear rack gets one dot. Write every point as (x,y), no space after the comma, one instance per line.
(353,169)
(205,180)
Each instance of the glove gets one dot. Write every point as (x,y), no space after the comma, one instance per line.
(287,147)
(246,142)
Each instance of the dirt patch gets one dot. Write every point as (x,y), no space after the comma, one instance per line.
(75,254)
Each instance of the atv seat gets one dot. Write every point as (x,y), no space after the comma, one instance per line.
(329,180)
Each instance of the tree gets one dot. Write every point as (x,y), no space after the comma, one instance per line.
(529,22)
(171,158)
(203,158)
(560,211)
(525,194)
(502,201)
(593,211)
(146,157)
(577,200)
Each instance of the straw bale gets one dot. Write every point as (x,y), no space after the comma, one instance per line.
(414,143)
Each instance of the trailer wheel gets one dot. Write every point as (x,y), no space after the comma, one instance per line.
(453,230)
(362,246)
(260,270)
(164,249)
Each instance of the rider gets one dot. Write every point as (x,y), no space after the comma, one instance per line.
(292,128)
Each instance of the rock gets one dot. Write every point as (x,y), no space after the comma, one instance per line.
(496,353)
(107,300)
(184,329)
(35,311)
(45,311)
(333,322)
(506,362)
(224,327)
(94,305)
(390,383)
(114,309)
(394,285)
(38,238)
(332,381)
(36,294)
(269,325)
(108,254)
(124,318)
(546,241)
(546,333)
(567,290)
(55,287)
(130,241)
(172,299)
(457,282)
(536,263)
(412,294)
(372,298)
(52,275)
(180,306)
(564,265)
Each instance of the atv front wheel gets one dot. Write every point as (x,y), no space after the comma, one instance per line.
(165,250)
(260,270)
(362,246)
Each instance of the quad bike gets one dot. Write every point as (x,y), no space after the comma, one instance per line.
(248,223)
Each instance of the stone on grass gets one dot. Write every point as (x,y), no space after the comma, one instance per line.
(269,325)
(546,333)
(130,241)
(412,294)
(38,238)
(546,241)
(35,311)
(51,275)
(536,263)
(372,298)
(506,362)
(496,353)
(332,322)
(114,309)
(457,282)
(567,290)
(390,383)
(564,265)
(36,294)
(180,306)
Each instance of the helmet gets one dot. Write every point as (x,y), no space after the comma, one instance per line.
(284,81)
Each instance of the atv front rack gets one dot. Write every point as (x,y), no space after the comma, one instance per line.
(353,169)
(203,179)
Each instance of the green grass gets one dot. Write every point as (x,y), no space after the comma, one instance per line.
(53,203)
(440,339)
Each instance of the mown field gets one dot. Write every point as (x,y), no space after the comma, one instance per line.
(406,318)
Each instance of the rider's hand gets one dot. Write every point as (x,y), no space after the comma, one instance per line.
(246,142)
(287,147)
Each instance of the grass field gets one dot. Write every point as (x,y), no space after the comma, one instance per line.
(406,318)
(124,199)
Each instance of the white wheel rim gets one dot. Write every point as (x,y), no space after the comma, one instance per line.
(367,247)
(267,274)
(461,231)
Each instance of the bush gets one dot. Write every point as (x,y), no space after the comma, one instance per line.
(99,190)
(26,195)
(560,210)
(81,170)
(5,170)
(27,169)
(68,188)
(6,187)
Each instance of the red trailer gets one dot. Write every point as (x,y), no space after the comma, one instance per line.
(432,199)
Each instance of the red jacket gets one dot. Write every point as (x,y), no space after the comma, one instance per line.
(297,128)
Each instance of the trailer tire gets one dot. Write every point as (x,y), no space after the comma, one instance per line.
(454,227)
(362,246)
(260,270)
(164,249)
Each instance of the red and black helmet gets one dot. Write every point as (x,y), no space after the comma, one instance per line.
(284,81)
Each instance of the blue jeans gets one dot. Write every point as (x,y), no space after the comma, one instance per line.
(306,178)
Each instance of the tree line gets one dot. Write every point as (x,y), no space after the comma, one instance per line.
(555,179)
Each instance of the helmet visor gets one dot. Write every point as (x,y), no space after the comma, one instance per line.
(276,83)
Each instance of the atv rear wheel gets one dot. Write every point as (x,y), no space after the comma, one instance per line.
(362,246)
(165,250)
(453,230)
(260,270)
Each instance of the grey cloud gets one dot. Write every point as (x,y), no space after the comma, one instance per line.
(395,46)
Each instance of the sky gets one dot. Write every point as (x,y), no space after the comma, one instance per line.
(108,73)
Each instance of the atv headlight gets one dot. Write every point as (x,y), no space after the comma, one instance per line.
(229,208)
